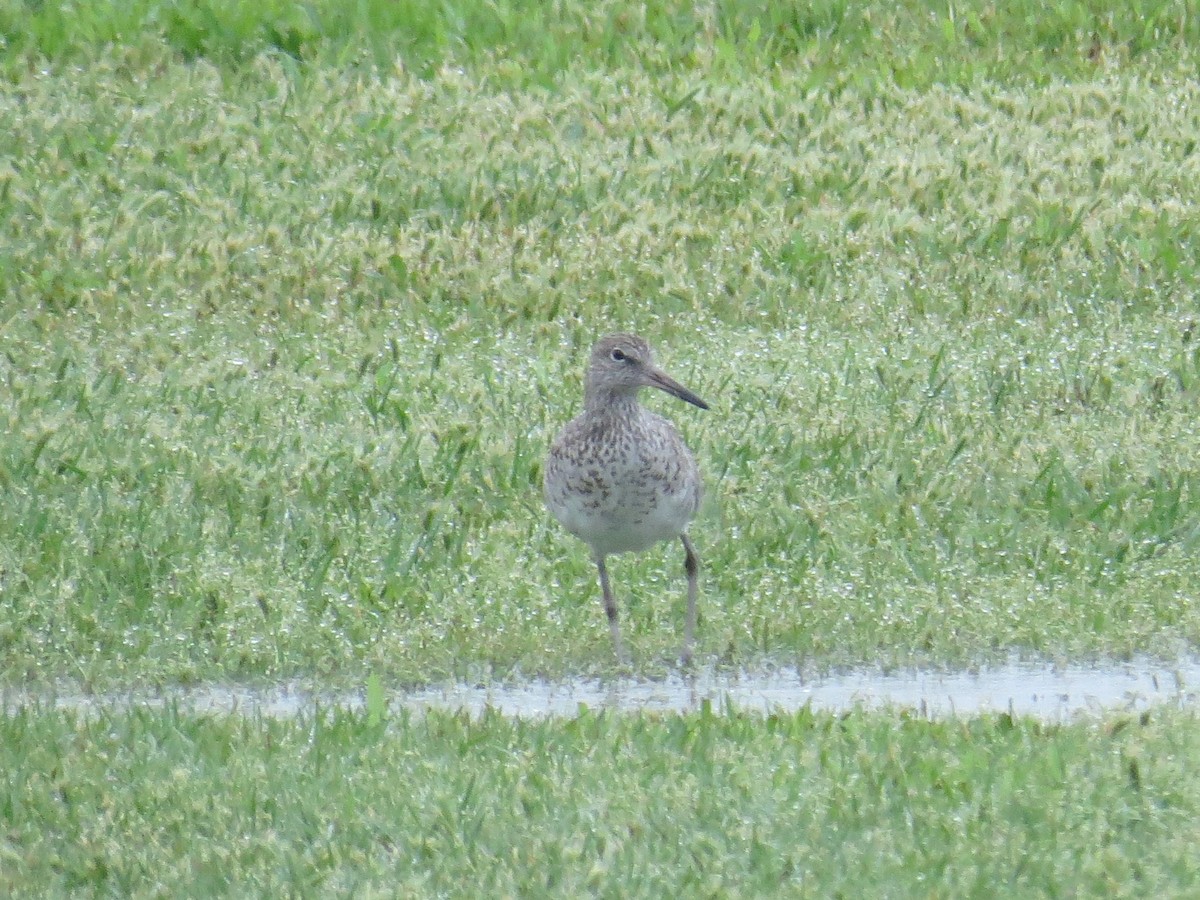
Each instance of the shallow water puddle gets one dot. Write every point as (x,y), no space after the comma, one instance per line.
(1050,693)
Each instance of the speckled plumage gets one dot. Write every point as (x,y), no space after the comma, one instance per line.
(619,477)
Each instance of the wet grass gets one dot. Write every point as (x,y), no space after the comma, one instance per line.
(159,803)
(283,348)
(292,299)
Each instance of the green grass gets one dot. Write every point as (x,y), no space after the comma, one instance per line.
(293,298)
(284,347)
(917,43)
(715,803)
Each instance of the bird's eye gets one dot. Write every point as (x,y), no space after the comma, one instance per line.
(618,356)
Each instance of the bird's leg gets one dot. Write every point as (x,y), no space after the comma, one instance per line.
(610,609)
(691,564)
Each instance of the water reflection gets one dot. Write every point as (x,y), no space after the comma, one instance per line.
(1049,693)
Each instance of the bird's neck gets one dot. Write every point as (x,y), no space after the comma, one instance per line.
(622,404)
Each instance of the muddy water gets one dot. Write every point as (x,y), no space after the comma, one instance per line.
(1050,693)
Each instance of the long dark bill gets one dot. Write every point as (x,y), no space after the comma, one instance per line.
(665,382)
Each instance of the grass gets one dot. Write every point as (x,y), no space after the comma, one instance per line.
(284,348)
(916,43)
(159,803)
(292,299)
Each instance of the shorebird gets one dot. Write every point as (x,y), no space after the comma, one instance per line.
(619,477)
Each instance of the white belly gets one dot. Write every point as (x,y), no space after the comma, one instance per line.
(622,527)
